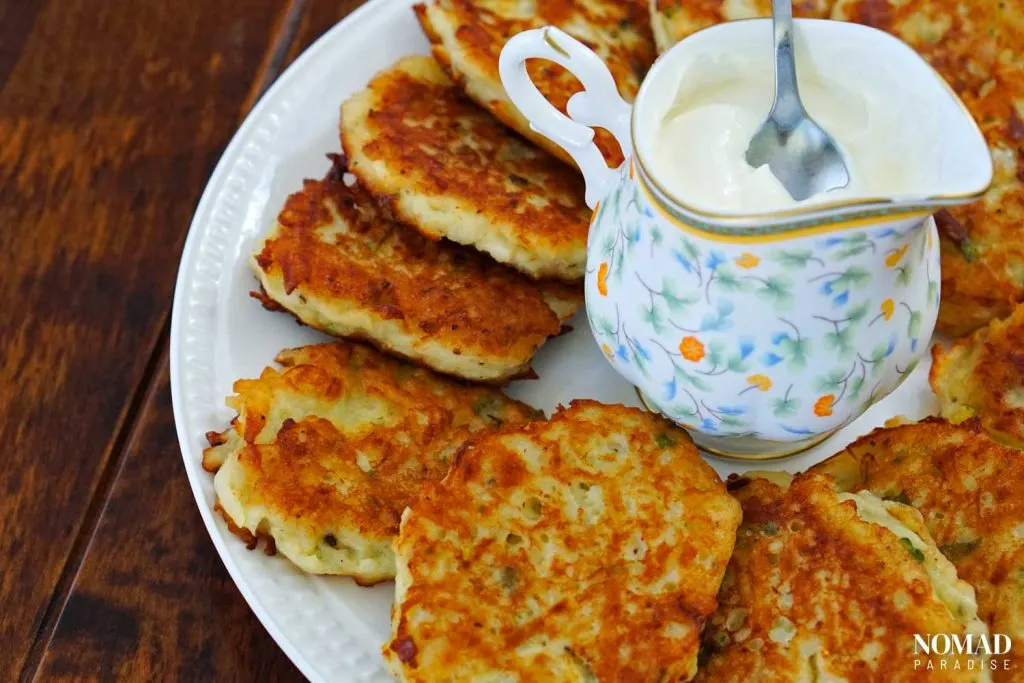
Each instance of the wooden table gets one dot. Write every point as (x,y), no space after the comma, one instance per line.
(112,116)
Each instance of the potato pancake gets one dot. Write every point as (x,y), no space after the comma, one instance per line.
(968,488)
(327,452)
(983,376)
(585,548)
(468,35)
(832,587)
(339,263)
(673,20)
(978,47)
(447,168)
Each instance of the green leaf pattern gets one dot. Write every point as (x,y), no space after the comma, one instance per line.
(680,312)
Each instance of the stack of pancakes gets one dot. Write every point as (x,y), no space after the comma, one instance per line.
(447,244)
(443,248)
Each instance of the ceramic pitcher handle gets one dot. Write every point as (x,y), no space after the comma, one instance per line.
(599,104)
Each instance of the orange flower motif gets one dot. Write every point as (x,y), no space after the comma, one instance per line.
(762,382)
(593,215)
(631,168)
(823,406)
(602,279)
(747,260)
(892,259)
(607,350)
(888,308)
(692,349)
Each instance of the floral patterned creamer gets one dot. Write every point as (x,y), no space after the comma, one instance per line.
(781,342)
(762,335)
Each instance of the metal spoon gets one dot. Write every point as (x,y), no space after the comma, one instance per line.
(804,158)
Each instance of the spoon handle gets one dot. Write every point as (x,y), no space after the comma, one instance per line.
(787,106)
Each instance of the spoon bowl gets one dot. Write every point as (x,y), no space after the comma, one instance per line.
(804,158)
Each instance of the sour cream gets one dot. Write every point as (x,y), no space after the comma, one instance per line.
(703,135)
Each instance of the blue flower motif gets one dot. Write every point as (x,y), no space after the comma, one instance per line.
(732,410)
(842,299)
(715,323)
(647,211)
(826,288)
(641,351)
(670,389)
(913,344)
(623,353)
(832,241)
(709,425)
(635,237)
(710,322)
(887,232)
(892,346)
(778,337)
(798,431)
(771,359)
(715,259)
(746,347)
(683,261)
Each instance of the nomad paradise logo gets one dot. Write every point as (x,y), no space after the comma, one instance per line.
(984,651)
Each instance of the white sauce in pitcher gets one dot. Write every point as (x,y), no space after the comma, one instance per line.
(721,102)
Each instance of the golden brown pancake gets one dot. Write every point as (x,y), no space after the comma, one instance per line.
(468,35)
(339,263)
(585,548)
(832,587)
(673,20)
(978,47)
(969,490)
(327,452)
(447,168)
(983,376)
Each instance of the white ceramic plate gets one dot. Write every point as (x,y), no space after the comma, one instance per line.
(329,627)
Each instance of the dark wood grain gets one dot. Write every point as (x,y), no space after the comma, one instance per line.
(112,115)
(151,599)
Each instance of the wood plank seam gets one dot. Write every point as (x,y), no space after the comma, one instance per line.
(274,60)
(126,428)
(123,433)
